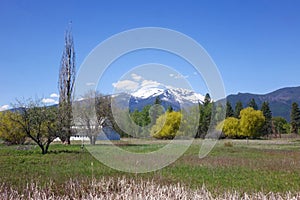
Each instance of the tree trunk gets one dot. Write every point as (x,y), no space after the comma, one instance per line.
(68,140)
(92,140)
(42,148)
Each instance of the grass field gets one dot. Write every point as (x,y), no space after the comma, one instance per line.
(233,165)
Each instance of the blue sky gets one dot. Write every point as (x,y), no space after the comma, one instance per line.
(255,44)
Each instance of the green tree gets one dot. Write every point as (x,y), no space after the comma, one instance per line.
(218,113)
(253,104)
(11,132)
(207,100)
(229,110)
(155,111)
(238,108)
(167,126)
(141,118)
(170,109)
(295,118)
(145,117)
(189,122)
(267,127)
(157,101)
(205,112)
(231,127)
(251,122)
(280,125)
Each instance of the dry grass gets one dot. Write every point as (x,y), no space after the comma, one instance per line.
(125,188)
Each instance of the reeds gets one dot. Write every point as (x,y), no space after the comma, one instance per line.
(125,189)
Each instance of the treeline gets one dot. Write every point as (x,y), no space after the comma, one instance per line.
(240,122)
(257,122)
(42,124)
(155,121)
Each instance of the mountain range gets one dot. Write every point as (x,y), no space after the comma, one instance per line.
(175,97)
(280,101)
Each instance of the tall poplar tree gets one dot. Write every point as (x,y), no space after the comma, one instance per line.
(66,87)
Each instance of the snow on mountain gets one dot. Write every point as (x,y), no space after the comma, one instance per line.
(184,95)
(170,96)
(147,92)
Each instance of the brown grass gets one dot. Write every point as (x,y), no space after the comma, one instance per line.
(125,188)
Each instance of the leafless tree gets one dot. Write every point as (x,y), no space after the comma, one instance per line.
(105,115)
(66,85)
(85,118)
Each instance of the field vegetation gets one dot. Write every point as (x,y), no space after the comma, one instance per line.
(253,167)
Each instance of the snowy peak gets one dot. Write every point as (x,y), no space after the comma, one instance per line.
(184,95)
(175,97)
(179,94)
(147,92)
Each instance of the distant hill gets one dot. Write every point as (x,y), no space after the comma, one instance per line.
(280,100)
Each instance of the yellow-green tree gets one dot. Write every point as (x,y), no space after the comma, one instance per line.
(11,132)
(251,122)
(167,126)
(231,127)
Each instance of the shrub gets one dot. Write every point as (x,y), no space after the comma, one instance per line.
(167,126)
(11,132)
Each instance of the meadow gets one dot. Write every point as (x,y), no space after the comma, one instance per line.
(234,167)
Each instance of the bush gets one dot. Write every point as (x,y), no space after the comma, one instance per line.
(248,125)
(167,126)
(11,132)
(231,127)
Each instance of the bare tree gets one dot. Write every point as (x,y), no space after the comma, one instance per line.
(103,108)
(38,122)
(85,118)
(66,85)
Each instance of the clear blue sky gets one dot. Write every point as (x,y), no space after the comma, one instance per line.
(255,44)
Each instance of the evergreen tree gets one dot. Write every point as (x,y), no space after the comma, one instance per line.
(267,127)
(295,118)
(156,111)
(157,101)
(229,110)
(205,112)
(252,104)
(238,108)
(142,117)
(170,109)
(207,99)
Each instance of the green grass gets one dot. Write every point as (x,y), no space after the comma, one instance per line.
(257,166)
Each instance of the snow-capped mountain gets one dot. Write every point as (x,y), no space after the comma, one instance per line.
(169,96)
